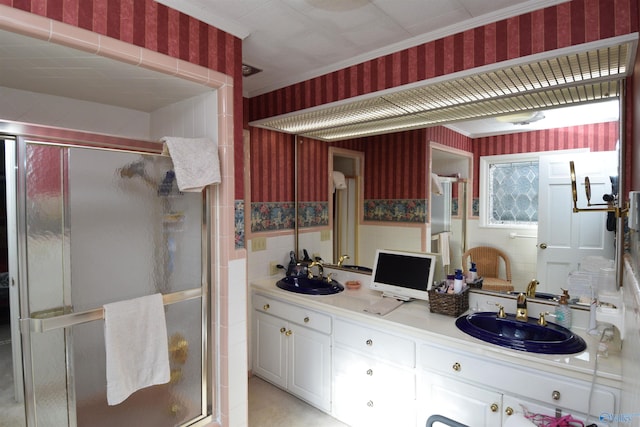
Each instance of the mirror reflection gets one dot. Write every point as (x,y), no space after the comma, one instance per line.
(497,188)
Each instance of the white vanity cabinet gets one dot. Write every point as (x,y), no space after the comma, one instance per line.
(466,387)
(292,349)
(373,376)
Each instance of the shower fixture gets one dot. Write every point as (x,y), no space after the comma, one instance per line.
(166,186)
(137,169)
(133,169)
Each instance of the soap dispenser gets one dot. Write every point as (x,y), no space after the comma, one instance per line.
(563,312)
(473,273)
(458,282)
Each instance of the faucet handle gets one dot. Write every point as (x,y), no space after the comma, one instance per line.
(328,278)
(541,320)
(501,313)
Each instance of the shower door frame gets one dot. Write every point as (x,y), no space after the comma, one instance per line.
(22,134)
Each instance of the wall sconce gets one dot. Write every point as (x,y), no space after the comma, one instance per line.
(611,199)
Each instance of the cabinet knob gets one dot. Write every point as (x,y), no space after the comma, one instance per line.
(283,330)
(289,333)
(265,307)
(456,367)
(370,404)
(369,342)
(509,410)
(494,407)
(370,372)
(306,319)
(555,395)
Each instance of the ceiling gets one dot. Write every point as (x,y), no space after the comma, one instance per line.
(295,40)
(291,40)
(40,66)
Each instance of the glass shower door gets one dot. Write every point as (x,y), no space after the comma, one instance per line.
(100,226)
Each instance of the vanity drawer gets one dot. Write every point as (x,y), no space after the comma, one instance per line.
(375,343)
(293,313)
(359,375)
(554,391)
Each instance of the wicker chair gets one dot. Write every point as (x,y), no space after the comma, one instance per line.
(488,262)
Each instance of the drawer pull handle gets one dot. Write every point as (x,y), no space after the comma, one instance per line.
(494,407)
(369,342)
(509,410)
(283,330)
(456,367)
(370,372)
(289,333)
(555,395)
(265,307)
(370,404)
(306,319)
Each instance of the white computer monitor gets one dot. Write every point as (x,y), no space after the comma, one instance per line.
(403,275)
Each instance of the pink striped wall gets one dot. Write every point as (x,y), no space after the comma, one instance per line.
(597,137)
(567,24)
(156,27)
(395,164)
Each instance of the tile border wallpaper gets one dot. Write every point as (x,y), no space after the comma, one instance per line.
(396,210)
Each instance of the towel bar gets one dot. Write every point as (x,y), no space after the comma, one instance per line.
(57,322)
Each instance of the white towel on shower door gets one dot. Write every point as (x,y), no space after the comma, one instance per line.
(135,335)
(195,162)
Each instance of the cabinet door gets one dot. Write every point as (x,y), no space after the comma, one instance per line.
(462,402)
(269,348)
(309,371)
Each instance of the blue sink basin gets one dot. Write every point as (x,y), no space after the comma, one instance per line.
(304,285)
(519,335)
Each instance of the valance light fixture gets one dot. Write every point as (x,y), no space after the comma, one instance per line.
(575,75)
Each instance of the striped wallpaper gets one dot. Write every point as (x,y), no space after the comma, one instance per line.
(395,172)
(395,164)
(571,23)
(566,24)
(597,137)
(156,27)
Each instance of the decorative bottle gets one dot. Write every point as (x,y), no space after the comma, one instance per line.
(563,312)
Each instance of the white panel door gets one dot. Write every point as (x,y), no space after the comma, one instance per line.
(565,237)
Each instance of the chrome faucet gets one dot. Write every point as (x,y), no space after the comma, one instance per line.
(320,269)
(521,311)
(531,288)
(342,259)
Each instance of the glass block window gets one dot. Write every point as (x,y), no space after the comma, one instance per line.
(513,193)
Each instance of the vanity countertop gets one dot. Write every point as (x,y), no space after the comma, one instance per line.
(415,320)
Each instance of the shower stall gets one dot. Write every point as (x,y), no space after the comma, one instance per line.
(100,221)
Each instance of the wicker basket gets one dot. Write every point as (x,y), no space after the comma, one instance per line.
(449,304)
(476,284)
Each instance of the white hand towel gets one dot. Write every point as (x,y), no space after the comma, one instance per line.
(195,161)
(445,248)
(339,181)
(135,335)
(436,184)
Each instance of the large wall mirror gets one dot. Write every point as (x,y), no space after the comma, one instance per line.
(534,251)
(394,201)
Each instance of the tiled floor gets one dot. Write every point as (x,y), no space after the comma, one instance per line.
(270,407)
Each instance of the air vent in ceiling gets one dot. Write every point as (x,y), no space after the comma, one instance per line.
(249,70)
